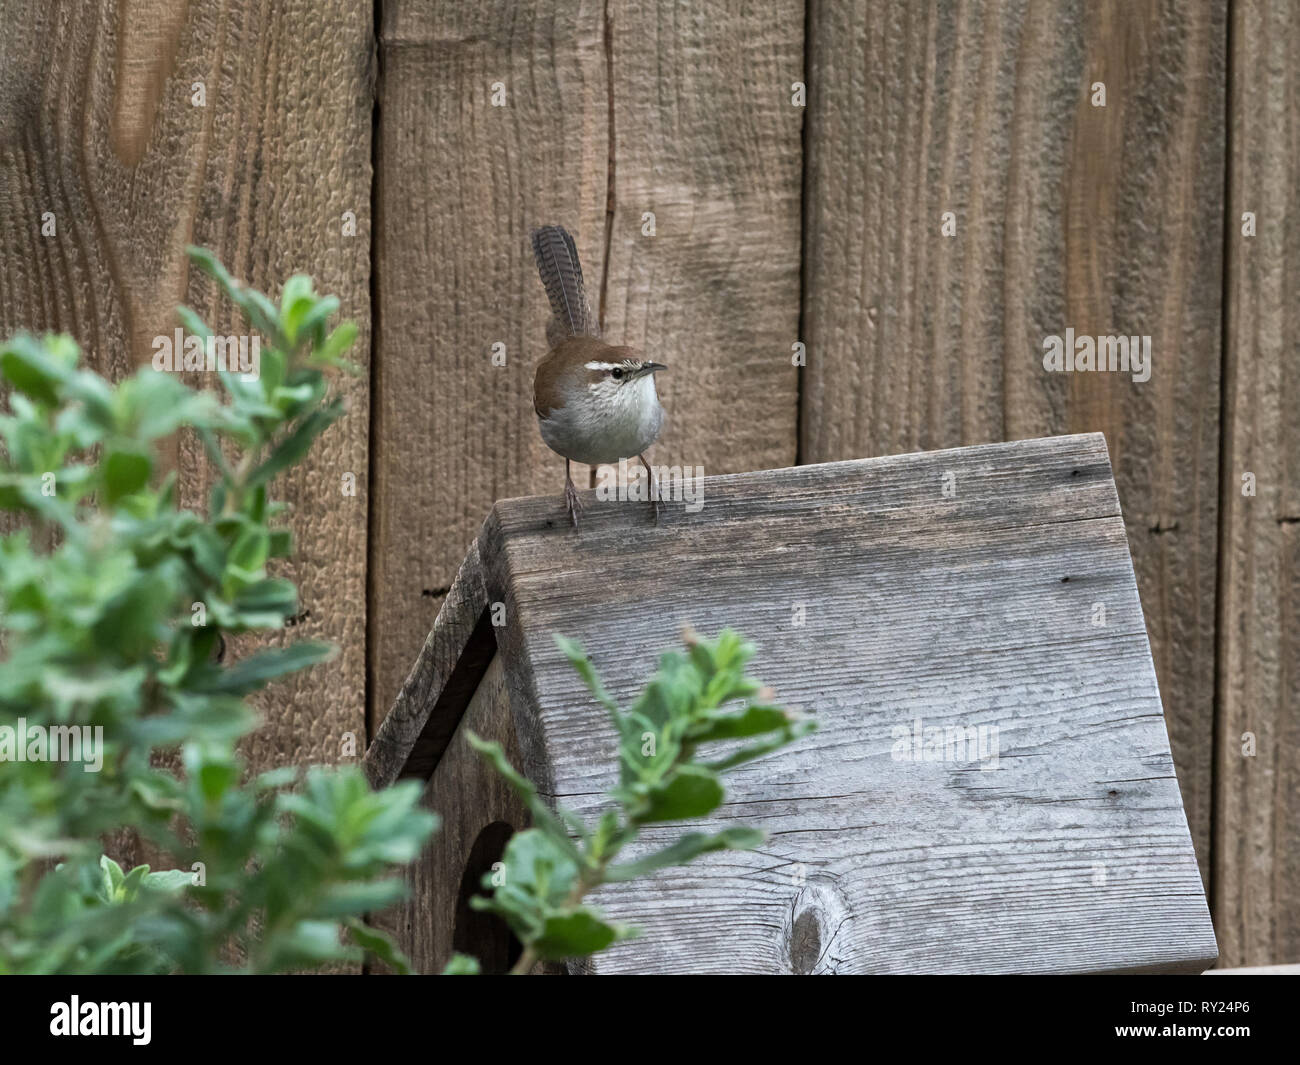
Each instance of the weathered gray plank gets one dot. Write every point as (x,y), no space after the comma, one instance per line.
(1103,219)
(1257,828)
(975,609)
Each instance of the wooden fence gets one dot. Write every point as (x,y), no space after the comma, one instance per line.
(742,179)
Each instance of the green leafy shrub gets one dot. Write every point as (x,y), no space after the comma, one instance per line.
(115,629)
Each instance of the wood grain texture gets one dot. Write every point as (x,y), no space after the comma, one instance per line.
(1257,839)
(97,127)
(611,110)
(1071,854)
(704,136)
(1107,220)
(469,797)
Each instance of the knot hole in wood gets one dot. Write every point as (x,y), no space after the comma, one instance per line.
(818,917)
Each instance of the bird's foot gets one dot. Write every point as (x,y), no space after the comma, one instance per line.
(653,484)
(571,501)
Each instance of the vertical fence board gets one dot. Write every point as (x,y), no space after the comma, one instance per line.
(460,184)
(707,140)
(98,126)
(1107,220)
(1257,824)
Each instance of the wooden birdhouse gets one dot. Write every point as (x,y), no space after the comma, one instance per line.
(990,788)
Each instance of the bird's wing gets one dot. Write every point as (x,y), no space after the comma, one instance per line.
(561,273)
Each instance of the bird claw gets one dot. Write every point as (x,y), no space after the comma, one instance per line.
(654,487)
(571,501)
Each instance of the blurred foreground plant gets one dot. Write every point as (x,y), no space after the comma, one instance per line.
(109,655)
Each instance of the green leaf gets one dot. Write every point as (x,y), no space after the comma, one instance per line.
(126,471)
(296,302)
(260,669)
(340,340)
(95,396)
(377,944)
(575,933)
(691,791)
(312,323)
(343,900)
(292,448)
(267,603)
(748,753)
(251,549)
(296,289)
(539,864)
(689,847)
(462,965)
(217,778)
(281,544)
(752,721)
(32,368)
(193,324)
(274,779)
(310,942)
(131,883)
(170,881)
(113,875)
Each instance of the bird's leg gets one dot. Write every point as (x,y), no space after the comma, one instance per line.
(571,495)
(654,485)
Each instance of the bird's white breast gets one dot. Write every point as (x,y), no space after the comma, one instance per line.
(605,421)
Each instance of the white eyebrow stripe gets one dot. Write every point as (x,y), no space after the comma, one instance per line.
(602,366)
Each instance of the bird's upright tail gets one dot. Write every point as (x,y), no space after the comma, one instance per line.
(561,273)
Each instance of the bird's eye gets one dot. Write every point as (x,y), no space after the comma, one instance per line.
(617,374)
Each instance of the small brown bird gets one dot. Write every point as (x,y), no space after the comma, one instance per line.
(595,402)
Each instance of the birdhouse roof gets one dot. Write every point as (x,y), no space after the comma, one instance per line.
(991,786)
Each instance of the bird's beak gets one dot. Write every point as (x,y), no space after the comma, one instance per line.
(650,367)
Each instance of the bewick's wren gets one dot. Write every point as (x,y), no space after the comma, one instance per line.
(595,402)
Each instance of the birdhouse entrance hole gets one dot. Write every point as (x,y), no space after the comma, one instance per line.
(484,935)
